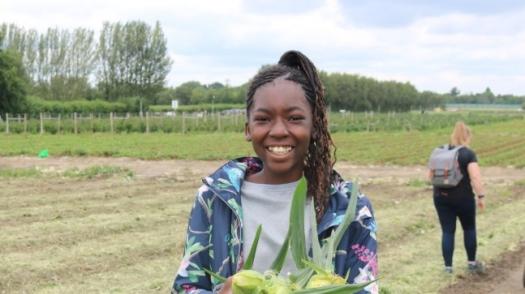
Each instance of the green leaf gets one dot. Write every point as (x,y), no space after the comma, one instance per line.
(317,253)
(215,275)
(278,263)
(302,276)
(338,289)
(248,264)
(296,229)
(329,252)
(318,269)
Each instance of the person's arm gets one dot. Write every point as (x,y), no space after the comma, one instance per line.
(362,248)
(191,278)
(477,185)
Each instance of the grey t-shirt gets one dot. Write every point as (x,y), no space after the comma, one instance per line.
(269,205)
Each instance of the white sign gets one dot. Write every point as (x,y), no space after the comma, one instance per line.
(174,104)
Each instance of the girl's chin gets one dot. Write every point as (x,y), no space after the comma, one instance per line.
(284,172)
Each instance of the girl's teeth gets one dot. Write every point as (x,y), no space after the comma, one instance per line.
(280,149)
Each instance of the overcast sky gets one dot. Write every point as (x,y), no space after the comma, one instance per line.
(435,45)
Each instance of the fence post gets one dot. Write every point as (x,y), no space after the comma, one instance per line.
(91,118)
(58,123)
(7,123)
(183,122)
(219,121)
(41,123)
(147,122)
(111,121)
(75,122)
(25,122)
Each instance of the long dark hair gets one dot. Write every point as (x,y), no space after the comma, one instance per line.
(295,66)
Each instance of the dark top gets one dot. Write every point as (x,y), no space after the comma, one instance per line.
(464,188)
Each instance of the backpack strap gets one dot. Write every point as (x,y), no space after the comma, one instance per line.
(456,148)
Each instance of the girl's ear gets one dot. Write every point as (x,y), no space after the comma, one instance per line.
(247,134)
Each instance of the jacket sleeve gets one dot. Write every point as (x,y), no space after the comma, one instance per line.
(191,277)
(362,247)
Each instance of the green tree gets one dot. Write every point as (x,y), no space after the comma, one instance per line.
(488,95)
(184,91)
(428,100)
(13,83)
(454,92)
(3,29)
(133,60)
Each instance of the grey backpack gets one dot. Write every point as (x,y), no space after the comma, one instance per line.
(444,167)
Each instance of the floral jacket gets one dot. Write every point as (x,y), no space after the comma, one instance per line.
(215,235)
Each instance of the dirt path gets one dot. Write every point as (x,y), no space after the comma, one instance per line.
(160,168)
(504,275)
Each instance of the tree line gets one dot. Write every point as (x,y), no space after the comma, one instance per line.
(126,60)
(128,63)
(485,97)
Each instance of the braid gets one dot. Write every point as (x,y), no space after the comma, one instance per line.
(296,67)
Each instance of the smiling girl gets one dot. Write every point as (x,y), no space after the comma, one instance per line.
(287,126)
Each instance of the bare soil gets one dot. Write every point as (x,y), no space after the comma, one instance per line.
(144,169)
(504,275)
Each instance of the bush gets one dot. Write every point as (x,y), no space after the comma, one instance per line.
(13,83)
(37,105)
(208,107)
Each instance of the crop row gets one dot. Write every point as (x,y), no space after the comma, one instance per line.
(234,122)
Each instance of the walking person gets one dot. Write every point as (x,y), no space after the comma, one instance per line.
(287,127)
(456,195)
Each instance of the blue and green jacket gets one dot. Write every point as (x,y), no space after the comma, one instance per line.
(215,231)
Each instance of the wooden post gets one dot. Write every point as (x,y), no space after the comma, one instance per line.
(41,123)
(91,118)
(58,123)
(7,123)
(75,122)
(25,122)
(147,122)
(219,121)
(183,122)
(111,121)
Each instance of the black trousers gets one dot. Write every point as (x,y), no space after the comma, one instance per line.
(449,209)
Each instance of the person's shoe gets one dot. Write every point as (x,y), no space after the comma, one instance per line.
(448,269)
(476,268)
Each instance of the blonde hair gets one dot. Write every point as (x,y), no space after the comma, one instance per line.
(460,135)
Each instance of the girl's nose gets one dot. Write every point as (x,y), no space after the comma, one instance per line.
(279,128)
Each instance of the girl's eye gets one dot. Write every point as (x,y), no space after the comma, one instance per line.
(296,118)
(260,119)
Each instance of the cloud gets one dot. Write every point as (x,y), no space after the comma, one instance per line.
(436,46)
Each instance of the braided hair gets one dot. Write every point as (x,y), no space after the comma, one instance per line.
(296,67)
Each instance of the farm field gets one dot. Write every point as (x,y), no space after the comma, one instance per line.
(106,212)
(117,225)
(500,143)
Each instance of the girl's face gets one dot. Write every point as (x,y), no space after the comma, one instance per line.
(280,128)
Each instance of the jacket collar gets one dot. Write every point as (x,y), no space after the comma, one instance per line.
(227,181)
